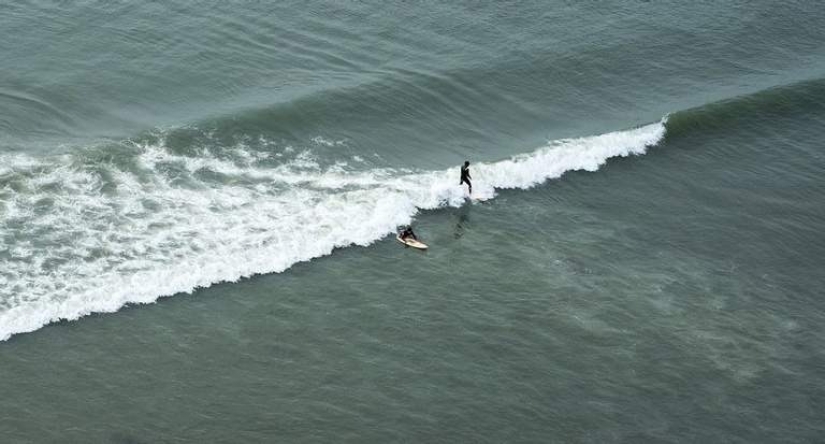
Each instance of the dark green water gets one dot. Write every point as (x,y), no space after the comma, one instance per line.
(629,279)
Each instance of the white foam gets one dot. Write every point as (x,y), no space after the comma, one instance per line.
(96,251)
(319,140)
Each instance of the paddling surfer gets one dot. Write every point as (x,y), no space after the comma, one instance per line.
(465,175)
(407,233)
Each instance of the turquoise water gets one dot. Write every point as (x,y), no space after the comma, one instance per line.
(645,267)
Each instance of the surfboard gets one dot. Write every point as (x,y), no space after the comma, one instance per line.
(412,243)
(476,198)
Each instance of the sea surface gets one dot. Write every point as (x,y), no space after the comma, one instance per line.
(198,203)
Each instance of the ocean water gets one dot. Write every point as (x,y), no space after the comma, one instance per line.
(198,201)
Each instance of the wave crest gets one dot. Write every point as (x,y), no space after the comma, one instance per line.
(92,238)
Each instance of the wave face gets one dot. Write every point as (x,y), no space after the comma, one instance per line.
(135,221)
(797,99)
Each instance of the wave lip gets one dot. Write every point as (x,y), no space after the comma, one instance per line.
(94,240)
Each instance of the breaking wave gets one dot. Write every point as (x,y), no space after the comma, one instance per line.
(91,235)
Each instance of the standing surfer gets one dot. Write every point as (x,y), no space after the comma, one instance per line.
(465,175)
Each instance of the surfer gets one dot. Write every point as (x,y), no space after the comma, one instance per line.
(407,233)
(409,239)
(465,175)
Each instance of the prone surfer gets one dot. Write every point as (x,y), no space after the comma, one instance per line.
(407,233)
(465,175)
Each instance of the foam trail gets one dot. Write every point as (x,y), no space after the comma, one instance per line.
(88,242)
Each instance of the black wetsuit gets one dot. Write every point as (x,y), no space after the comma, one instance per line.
(465,177)
(407,233)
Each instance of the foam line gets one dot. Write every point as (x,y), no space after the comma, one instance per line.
(88,242)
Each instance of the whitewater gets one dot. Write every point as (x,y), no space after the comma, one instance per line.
(91,236)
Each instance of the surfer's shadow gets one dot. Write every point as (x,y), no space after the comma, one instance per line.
(463,222)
